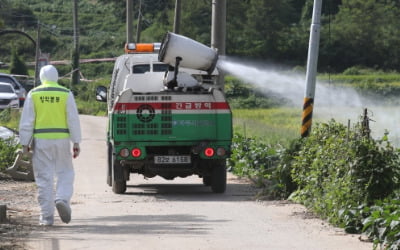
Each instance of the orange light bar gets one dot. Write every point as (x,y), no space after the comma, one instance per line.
(139,47)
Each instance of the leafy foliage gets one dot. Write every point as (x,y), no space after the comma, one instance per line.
(338,172)
(252,159)
(383,224)
(8,146)
(7,149)
(337,168)
(17,66)
(9,118)
(271,30)
(359,21)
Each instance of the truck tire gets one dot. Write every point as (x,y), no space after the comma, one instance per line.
(118,180)
(109,164)
(119,187)
(218,180)
(207,180)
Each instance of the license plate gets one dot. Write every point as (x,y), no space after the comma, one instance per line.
(172,159)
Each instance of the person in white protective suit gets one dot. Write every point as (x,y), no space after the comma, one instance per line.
(49,123)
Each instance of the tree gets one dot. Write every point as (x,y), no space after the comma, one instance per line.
(196,20)
(266,21)
(3,6)
(235,37)
(365,32)
(17,66)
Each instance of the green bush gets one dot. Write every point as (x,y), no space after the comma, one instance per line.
(251,158)
(358,70)
(338,168)
(10,118)
(281,178)
(320,170)
(7,149)
(383,224)
(338,172)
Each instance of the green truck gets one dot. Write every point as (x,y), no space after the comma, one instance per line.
(165,120)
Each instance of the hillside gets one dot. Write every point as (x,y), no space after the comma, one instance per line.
(353,32)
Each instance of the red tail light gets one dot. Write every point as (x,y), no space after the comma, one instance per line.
(136,152)
(209,152)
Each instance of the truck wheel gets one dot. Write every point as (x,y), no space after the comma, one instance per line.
(119,187)
(218,180)
(118,180)
(207,180)
(109,163)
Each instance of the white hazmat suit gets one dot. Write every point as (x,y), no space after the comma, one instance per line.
(52,157)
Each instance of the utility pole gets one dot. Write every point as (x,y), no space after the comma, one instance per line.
(218,26)
(218,31)
(129,8)
(37,55)
(312,62)
(139,22)
(75,52)
(177,17)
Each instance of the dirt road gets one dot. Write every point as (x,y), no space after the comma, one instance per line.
(179,214)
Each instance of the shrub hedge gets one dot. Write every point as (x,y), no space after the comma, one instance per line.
(340,173)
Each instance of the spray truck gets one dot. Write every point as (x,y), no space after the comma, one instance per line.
(167,115)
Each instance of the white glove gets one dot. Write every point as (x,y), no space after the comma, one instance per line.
(76,149)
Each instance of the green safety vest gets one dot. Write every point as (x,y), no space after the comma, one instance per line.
(50,102)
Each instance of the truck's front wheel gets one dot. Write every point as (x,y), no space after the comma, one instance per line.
(218,180)
(118,180)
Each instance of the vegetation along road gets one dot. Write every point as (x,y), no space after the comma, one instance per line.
(179,214)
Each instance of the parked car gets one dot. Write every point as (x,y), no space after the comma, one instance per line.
(28,82)
(8,96)
(19,89)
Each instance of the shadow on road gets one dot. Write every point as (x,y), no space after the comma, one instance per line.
(192,192)
(144,224)
(151,225)
(115,227)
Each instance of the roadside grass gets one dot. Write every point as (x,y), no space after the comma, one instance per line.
(272,126)
(392,78)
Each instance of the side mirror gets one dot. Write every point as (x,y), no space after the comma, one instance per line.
(101,94)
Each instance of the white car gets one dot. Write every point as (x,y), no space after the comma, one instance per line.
(8,96)
(19,89)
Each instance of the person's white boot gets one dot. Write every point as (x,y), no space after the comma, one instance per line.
(46,221)
(64,211)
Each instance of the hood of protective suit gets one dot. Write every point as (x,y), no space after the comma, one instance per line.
(48,73)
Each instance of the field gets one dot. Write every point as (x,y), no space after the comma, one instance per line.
(275,125)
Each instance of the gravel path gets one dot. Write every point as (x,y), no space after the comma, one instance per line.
(20,199)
